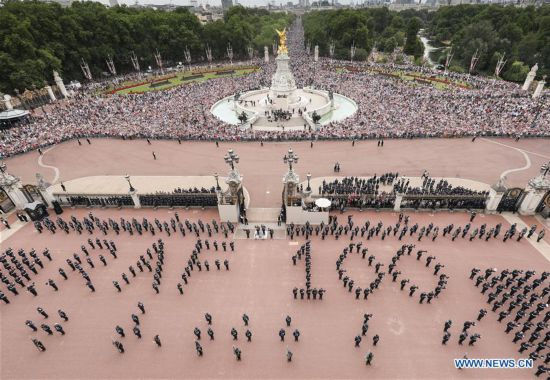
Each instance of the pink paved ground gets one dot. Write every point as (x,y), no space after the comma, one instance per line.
(263,168)
(259,283)
(262,275)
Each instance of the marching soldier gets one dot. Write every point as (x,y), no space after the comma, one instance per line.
(42,312)
(197,333)
(282,334)
(63,274)
(368,358)
(462,337)
(59,328)
(119,346)
(46,328)
(141,307)
(38,344)
(156,339)
(237,353)
(31,325)
(288,320)
(482,313)
(117,286)
(446,338)
(296,334)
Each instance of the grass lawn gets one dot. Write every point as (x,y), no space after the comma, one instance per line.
(182,78)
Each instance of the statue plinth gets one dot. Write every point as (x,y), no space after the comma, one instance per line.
(283,83)
(539,183)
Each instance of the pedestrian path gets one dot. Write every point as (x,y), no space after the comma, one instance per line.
(542,246)
(256,215)
(279,232)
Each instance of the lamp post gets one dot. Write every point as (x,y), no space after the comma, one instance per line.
(216,176)
(231,158)
(290,158)
(234,179)
(308,188)
(127,177)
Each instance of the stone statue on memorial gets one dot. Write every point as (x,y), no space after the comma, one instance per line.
(42,184)
(282,42)
(501,184)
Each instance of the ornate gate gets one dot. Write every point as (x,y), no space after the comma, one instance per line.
(6,204)
(511,200)
(32,193)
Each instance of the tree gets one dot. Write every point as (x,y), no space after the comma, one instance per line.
(315,117)
(38,37)
(413,45)
(243,117)
(517,72)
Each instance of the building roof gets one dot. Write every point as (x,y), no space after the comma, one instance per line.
(13,114)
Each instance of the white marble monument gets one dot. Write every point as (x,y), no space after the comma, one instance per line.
(7,101)
(283,84)
(540,88)
(530,77)
(50,93)
(59,82)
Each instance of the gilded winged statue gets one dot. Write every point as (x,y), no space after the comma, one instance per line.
(282,42)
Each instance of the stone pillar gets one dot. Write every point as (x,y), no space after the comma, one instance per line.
(17,196)
(495,196)
(397,204)
(50,93)
(60,85)
(7,100)
(290,182)
(135,198)
(530,77)
(535,191)
(316,53)
(266,54)
(12,186)
(540,88)
(230,212)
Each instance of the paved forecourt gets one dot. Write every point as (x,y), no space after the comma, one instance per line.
(262,167)
(259,283)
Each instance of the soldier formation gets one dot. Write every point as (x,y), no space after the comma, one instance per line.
(523,314)
(520,299)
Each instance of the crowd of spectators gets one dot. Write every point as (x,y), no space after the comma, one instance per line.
(388,107)
(99,201)
(381,192)
(195,190)
(200,199)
